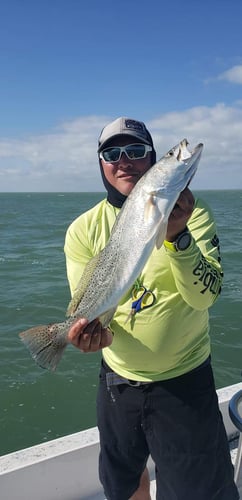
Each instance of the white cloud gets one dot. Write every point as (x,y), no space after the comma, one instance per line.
(220,129)
(54,161)
(66,158)
(233,75)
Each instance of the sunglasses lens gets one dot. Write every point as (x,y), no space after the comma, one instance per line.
(111,154)
(135,151)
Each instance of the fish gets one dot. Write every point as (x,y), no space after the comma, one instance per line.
(140,226)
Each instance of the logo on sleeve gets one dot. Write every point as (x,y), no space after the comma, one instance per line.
(215,241)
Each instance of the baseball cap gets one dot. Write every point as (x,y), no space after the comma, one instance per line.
(124,126)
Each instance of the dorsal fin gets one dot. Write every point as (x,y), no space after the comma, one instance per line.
(82,285)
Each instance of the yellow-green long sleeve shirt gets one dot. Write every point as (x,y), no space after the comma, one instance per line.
(172,336)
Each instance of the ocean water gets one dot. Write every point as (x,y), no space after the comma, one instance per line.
(35,405)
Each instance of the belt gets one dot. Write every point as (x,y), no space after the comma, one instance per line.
(115,379)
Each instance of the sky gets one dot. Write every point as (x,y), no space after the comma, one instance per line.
(69,67)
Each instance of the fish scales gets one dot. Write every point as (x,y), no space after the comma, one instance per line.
(141,224)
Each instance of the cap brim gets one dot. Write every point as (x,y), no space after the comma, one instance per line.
(128,134)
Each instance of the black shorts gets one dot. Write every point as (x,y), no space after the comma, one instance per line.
(175,421)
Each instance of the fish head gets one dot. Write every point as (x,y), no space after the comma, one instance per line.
(170,176)
(180,164)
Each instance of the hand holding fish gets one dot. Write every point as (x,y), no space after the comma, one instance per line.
(180,214)
(89,337)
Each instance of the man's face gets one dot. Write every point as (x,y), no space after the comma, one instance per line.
(125,173)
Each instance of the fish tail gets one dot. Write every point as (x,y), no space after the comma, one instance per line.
(46,343)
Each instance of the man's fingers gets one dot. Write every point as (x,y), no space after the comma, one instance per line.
(107,338)
(76,329)
(89,337)
(186,201)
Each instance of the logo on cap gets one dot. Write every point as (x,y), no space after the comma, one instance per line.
(132,124)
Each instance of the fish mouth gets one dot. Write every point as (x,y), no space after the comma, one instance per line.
(195,156)
(183,153)
(190,158)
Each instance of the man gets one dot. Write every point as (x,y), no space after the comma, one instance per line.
(156,393)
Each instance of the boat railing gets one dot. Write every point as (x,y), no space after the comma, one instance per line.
(235,413)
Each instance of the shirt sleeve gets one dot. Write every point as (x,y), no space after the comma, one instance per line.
(197,271)
(85,238)
(77,251)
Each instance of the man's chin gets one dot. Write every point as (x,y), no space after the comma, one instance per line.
(126,185)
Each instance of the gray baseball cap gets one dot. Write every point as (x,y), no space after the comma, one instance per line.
(124,126)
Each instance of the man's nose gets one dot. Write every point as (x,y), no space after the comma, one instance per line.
(124,160)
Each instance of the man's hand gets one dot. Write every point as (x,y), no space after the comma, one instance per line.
(180,214)
(89,337)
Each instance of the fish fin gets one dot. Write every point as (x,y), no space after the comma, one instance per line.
(161,235)
(107,317)
(82,285)
(46,343)
(150,206)
(73,304)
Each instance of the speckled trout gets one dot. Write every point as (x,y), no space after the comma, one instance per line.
(140,226)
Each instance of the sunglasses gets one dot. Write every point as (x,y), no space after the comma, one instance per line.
(132,151)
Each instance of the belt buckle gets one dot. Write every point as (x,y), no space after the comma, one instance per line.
(134,383)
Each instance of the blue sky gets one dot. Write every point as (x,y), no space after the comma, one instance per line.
(68,67)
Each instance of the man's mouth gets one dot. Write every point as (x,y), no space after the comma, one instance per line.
(128,174)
